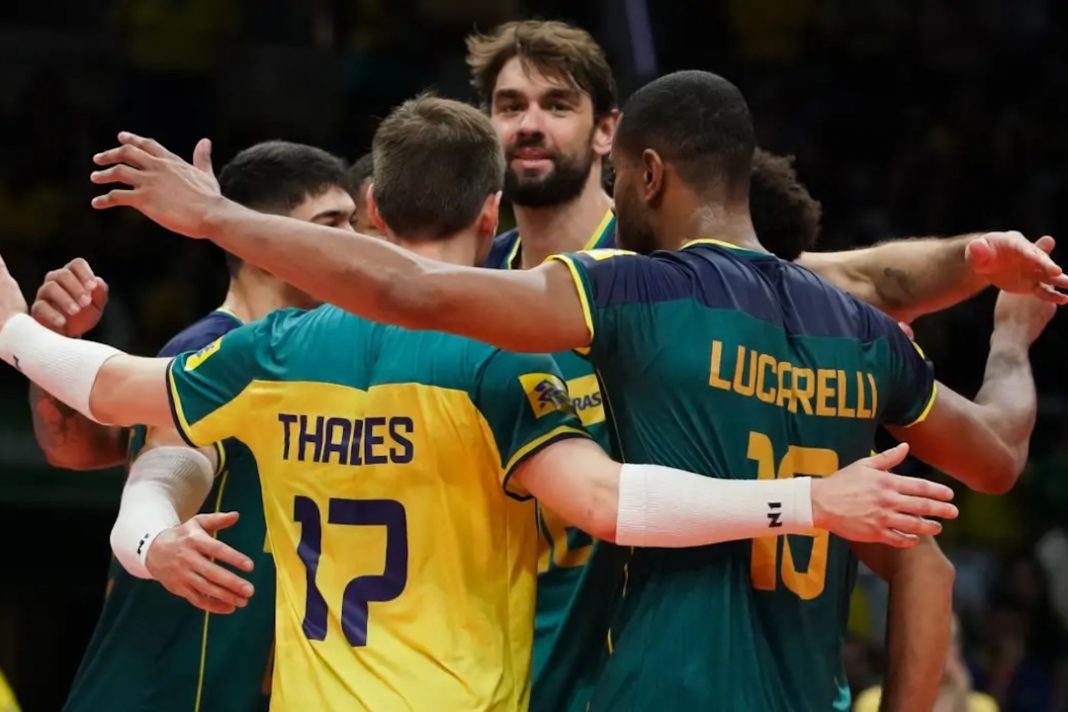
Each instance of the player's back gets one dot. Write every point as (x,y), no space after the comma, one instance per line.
(406,573)
(736,364)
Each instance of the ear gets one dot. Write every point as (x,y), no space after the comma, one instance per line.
(372,210)
(652,178)
(604,133)
(488,218)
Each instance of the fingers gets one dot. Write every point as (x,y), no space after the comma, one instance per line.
(130,155)
(216,549)
(923,507)
(917,487)
(148,145)
(99,293)
(81,269)
(908,524)
(888,458)
(1046,243)
(215,581)
(120,173)
(217,520)
(205,603)
(115,199)
(73,286)
(897,539)
(1047,293)
(202,156)
(55,295)
(47,315)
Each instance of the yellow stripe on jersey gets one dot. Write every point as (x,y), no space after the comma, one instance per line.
(599,232)
(583,299)
(410,565)
(711,241)
(927,408)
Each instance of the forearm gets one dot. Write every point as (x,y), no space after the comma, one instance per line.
(69,439)
(536,311)
(918,628)
(366,276)
(1007,397)
(905,278)
(166,486)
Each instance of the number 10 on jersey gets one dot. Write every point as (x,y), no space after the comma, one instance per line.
(815,462)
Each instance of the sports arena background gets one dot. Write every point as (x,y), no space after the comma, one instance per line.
(906,117)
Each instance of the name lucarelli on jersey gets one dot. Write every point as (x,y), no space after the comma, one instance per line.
(823,392)
(374,440)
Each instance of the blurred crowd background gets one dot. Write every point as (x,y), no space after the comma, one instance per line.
(906,117)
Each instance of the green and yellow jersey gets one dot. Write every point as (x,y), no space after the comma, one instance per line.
(406,558)
(733,364)
(562,548)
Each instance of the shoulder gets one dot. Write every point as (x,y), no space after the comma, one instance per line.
(200,333)
(502,249)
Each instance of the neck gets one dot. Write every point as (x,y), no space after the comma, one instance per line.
(253,294)
(458,249)
(562,228)
(715,219)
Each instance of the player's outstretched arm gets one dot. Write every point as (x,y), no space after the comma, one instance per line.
(911,277)
(984,443)
(650,505)
(918,621)
(70,302)
(535,311)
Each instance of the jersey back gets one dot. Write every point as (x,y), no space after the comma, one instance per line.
(734,364)
(405,556)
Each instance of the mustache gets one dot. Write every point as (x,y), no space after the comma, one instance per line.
(533,142)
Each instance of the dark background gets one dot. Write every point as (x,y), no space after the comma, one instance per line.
(907,118)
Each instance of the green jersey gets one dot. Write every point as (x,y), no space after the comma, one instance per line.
(733,364)
(563,550)
(151,650)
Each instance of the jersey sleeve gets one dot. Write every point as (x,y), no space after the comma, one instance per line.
(205,386)
(605,281)
(912,382)
(525,402)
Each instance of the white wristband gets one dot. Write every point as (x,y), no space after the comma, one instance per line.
(665,507)
(166,486)
(66,368)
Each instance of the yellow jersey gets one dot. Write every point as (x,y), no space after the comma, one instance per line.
(406,559)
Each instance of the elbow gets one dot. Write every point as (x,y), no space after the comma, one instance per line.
(602,512)
(998,474)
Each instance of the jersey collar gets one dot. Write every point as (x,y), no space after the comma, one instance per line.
(603,236)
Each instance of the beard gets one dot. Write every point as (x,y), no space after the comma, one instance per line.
(560,185)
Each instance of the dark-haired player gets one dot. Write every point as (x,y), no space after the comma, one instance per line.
(150,649)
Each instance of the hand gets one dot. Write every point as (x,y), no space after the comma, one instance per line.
(866,502)
(1014,264)
(166,189)
(1023,317)
(71,300)
(11,300)
(181,558)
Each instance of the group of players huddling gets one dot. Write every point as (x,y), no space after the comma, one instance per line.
(414,496)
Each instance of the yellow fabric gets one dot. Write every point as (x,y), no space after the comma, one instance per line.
(467,605)
(8,703)
(868,701)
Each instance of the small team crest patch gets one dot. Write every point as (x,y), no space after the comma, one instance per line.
(203,355)
(546,393)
